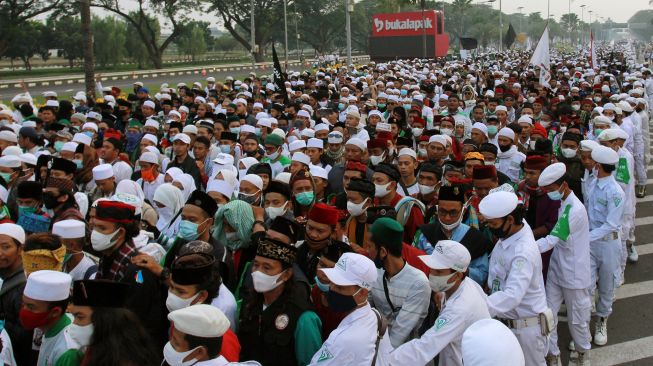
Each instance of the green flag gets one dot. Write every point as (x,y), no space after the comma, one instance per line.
(623,175)
(561,230)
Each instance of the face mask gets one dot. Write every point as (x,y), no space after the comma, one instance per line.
(188,230)
(492,130)
(531,99)
(597,131)
(531,144)
(79,163)
(174,302)
(356,209)
(274,155)
(58,145)
(403,92)
(568,153)
(323,104)
(174,358)
(81,334)
(611,118)
(323,287)
(563,129)
(264,282)
(381,190)
(554,195)
(376,159)
(381,105)
(88,133)
(50,201)
(406,106)
(450,227)
(422,152)
(439,283)
(305,198)
(545,124)
(504,148)
(6,177)
(575,107)
(30,320)
(341,303)
(249,198)
(225,149)
(101,241)
(26,210)
(148,175)
(499,232)
(424,189)
(235,130)
(341,106)
(417,132)
(257,131)
(597,99)
(446,131)
(274,212)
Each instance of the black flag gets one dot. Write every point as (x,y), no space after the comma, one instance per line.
(468,43)
(510,37)
(279,76)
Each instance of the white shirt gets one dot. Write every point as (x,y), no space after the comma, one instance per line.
(150,187)
(570,261)
(628,126)
(353,342)
(81,268)
(605,208)
(515,277)
(509,163)
(465,307)
(221,361)
(7,354)
(361,134)
(226,302)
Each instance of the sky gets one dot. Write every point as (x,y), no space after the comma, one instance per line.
(618,11)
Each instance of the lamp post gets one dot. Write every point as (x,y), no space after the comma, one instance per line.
(252,32)
(520,17)
(285,32)
(582,19)
(500,28)
(348,5)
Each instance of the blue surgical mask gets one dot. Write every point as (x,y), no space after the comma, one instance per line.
(554,195)
(58,145)
(257,131)
(403,92)
(305,198)
(225,149)
(341,106)
(188,230)
(79,163)
(235,130)
(323,287)
(492,130)
(88,133)
(6,177)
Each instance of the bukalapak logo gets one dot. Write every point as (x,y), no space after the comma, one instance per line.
(405,24)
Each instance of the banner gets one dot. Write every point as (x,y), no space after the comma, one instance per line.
(510,37)
(403,24)
(542,58)
(279,77)
(468,43)
(593,60)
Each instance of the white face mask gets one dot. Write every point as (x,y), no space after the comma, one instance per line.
(80,334)
(446,131)
(356,209)
(175,358)
(568,153)
(450,227)
(274,155)
(101,241)
(174,302)
(376,159)
(422,152)
(424,189)
(417,132)
(531,99)
(439,283)
(575,107)
(264,282)
(545,124)
(381,190)
(531,144)
(611,118)
(274,212)
(231,236)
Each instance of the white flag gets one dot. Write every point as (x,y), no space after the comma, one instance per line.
(542,58)
(593,59)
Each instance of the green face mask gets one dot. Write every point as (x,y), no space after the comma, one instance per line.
(305,198)
(6,177)
(22,210)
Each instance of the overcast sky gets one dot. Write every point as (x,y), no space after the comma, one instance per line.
(618,11)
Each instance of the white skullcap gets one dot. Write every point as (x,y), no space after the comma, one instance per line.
(221,186)
(52,103)
(12,150)
(481,127)
(321,127)
(498,204)
(335,137)
(307,132)
(247,129)
(507,132)
(439,139)
(355,141)
(151,123)
(315,143)
(10,161)
(202,320)
(501,108)
(8,136)
(296,145)
(48,285)
(612,134)
(283,177)
(13,231)
(102,171)
(301,157)
(588,145)
(254,179)
(174,113)
(49,94)
(149,103)
(28,158)
(407,151)
(4,194)
(551,174)
(601,120)
(605,155)
(190,129)
(318,171)
(525,119)
(82,139)
(303,113)
(149,157)
(149,137)
(488,342)
(70,146)
(609,107)
(90,125)
(69,229)
(625,106)
(264,122)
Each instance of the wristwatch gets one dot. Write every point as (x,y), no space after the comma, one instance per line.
(165,273)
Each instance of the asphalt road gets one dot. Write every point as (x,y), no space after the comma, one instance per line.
(630,327)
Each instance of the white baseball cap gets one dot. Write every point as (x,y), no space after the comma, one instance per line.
(352,269)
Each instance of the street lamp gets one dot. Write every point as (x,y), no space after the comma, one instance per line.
(520,17)
(285,32)
(349,7)
(582,19)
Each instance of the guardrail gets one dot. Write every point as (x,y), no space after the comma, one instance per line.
(140,75)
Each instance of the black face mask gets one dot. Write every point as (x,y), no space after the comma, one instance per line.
(340,303)
(504,148)
(378,261)
(499,232)
(50,201)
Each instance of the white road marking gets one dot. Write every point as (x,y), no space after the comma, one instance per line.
(619,353)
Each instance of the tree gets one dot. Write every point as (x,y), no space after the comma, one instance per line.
(27,43)
(109,43)
(67,36)
(175,13)
(225,43)
(192,42)
(136,49)
(15,13)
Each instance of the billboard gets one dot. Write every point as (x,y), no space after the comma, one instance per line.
(402,35)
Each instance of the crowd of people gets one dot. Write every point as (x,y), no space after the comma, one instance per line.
(414,212)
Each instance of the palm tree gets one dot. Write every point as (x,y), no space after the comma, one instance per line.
(459,7)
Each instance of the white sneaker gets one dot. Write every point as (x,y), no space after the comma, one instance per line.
(601,332)
(632,253)
(572,346)
(552,360)
(579,359)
